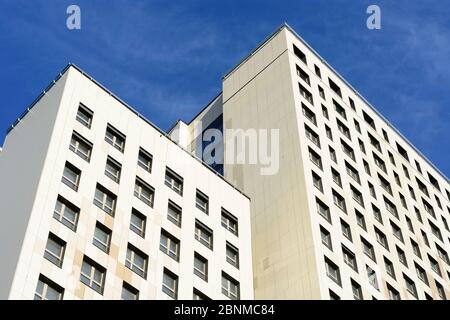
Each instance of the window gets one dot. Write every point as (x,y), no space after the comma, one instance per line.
(339,109)
(115,138)
(434,265)
(391,158)
(362,147)
(438,202)
(368,249)
(332,154)
(102,237)
(403,201)
(360,220)
(129,293)
(328,132)
(66,213)
(343,129)
(170,245)
(48,290)
(397,179)
(444,221)
(352,172)
(326,237)
(113,169)
(415,248)
(409,224)
(381,238)
(317,71)
(402,151)
(372,276)
(440,290)
(197,295)
(372,190)
(145,160)
(305,94)
(315,158)
(321,92)
(105,200)
(303,75)
(411,192)
(84,116)
(380,163)
(418,215)
(229,222)
(369,120)
(81,147)
(203,234)
(443,254)
(54,250)
(356,289)
(397,232)
(389,267)
(385,184)
(230,287)
(325,112)
(352,103)
(136,261)
(200,267)
(333,296)
(349,258)
(346,231)
(93,275)
(374,142)
(425,238)
(336,177)
(311,135)
(201,201)
(377,214)
(393,294)
(317,181)
(332,271)
(421,274)
(174,181)
(170,284)
(299,54)
(390,207)
(435,230)
(418,166)
(428,208)
(335,87)
(410,285)
(402,257)
(71,176)
(422,187)
(174,213)
(433,181)
(405,171)
(144,192)
(309,114)
(339,201)
(138,222)
(323,210)
(385,135)
(232,255)
(348,150)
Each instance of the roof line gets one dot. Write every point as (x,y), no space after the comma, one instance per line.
(125,105)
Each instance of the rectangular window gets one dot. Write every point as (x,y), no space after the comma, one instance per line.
(389,267)
(129,293)
(145,160)
(169,245)
(321,92)
(144,192)
(397,179)
(343,129)
(434,265)
(202,201)
(102,237)
(200,267)
(422,187)
(346,231)
(303,75)
(317,181)
(393,294)
(377,214)
(362,148)
(415,248)
(105,200)
(197,295)
(81,146)
(230,287)
(323,210)
(381,238)
(357,291)
(203,234)
(311,135)
(335,87)
(54,250)
(328,132)
(380,163)
(418,166)
(305,94)
(66,213)
(385,184)
(441,291)
(229,222)
(93,275)
(428,208)
(339,109)
(315,158)
(435,230)
(391,158)
(326,237)
(360,220)
(138,222)
(232,255)
(299,54)
(402,151)
(317,71)
(368,249)
(174,213)
(113,169)
(425,238)
(349,258)
(309,114)
(421,274)
(369,120)
(348,150)
(409,224)
(410,286)
(372,276)
(352,103)
(402,257)
(115,138)
(396,231)
(325,112)
(332,154)
(357,126)
(174,181)
(170,284)
(352,172)
(385,135)
(443,255)
(332,271)
(84,115)
(433,181)
(71,176)
(374,142)
(372,190)
(339,201)
(390,207)
(405,171)
(136,261)
(48,290)
(336,177)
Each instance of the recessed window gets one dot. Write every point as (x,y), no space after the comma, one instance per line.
(303,75)
(360,220)
(129,293)
(346,231)
(174,213)
(317,71)
(393,294)
(229,222)
(368,249)
(170,284)
(170,245)
(174,181)
(317,181)
(415,248)
(435,230)
(305,94)
(201,201)
(428,208)
(66,213)
(54,250)
(323,210)
(374,142)
(380,163)
(299,54)
(372,276)
(349,258)
(434,265)
(390,207)
(343,129)
(71,176)
(352,172)
(115,138)
(328,132)
(197,295)
(230,287)
(418,166)
(102,237)
(377,214)
(203,234)
(421,274)
(48,290)
(325,112)
(339,201)
(443,254)
(136,261)
(357,291)
(425,238)
(352,103)
(144,192)
(410,286)
(441,291)
(357,126)
(315,158)
(138,222)
(105,200)
(401,256)
(311,135)
(422,187)
(332,154)
(372,190)
(405,171)
(81,146)
(381,238)
(93,275)
(348,150)
(397,179)
(145,160)
(433,181)
(113,169)
(333,295)
(385,135)
(335,87)
(391,158)
(85,115)
(389,267)
(409,224)
(309,114)
(402,151)
(385,184)
(332,271)
(321,92)
(369,120)
(232,255)
(339,109)
(336,177)
(326,237)
(200,267)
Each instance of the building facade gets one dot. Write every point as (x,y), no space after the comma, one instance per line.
(98,203)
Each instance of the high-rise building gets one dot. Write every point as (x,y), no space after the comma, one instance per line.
(354,211)
(98,203)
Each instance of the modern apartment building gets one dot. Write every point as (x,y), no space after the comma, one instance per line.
(354,211)
(98,203)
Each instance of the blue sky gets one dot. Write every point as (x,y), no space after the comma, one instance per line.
(166,58)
